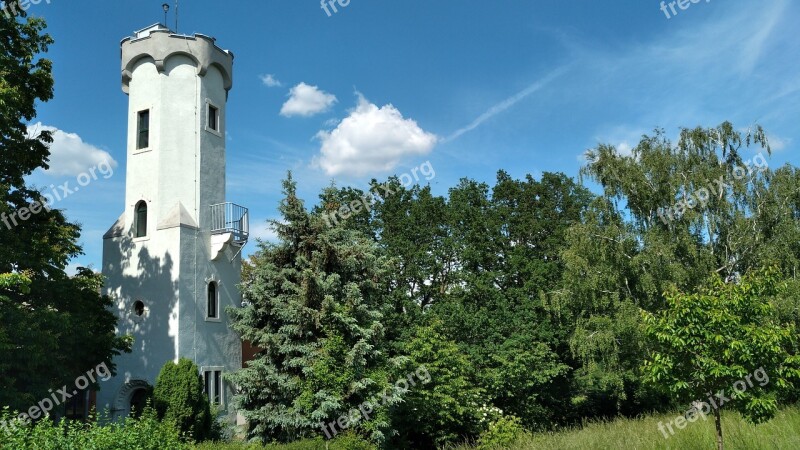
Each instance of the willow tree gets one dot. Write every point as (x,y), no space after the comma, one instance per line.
(670,215)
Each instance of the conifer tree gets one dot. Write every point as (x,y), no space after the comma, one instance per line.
(178,398)
(314,306)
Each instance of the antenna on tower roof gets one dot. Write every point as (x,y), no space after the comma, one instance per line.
(165,7)
(176,16)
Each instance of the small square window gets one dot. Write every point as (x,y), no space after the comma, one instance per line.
(213,118)
(143,130)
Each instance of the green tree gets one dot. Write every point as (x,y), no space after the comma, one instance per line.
(507,249)
(25,78)
(708,346)
(443,407)
(315,302)
(178,398)
(44,340)
(670,215)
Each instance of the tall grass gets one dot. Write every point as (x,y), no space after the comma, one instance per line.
(782,432)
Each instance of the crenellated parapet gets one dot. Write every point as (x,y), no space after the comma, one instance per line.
(159,44)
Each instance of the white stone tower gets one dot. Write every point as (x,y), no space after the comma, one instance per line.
(173,258)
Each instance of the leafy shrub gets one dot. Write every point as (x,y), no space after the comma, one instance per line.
(346,441)
(144,433)
(440,408)
(501,433)
(178,398)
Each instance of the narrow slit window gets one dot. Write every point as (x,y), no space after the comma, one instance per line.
(213,118)
(140,219)
(217,387)
(212,300)
(213,386)
(143,127)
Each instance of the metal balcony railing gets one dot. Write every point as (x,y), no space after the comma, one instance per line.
(231,218)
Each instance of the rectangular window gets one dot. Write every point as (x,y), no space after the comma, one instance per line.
(217,387)
(212,300)
(213,118)
(143,130)
(75,408)
(212,381)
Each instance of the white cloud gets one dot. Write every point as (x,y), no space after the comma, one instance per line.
(305,100)
(269,80)
(371,139)
(624,148)
(264,232)
(777,143)
(69,155)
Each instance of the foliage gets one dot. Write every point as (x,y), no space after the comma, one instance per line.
(315,302)
(44,340)
(24,80)
(501,433)
(178,398)
(507,259)
(346,441)
(670,215)
(145,433)
(519,297)
(442,407)
(712,342)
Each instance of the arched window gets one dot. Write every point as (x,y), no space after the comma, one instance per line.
(140,219)
(139,402)
(212,300)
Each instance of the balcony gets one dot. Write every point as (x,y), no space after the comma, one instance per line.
(231,218)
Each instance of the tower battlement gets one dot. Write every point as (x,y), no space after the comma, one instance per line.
(160,43)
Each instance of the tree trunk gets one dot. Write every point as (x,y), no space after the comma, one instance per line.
(718,426)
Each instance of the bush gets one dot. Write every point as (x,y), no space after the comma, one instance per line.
(501,433)
(144,433)
(347,441)
(440,409)
(178,398)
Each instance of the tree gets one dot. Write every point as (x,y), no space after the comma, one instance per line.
(179,398)
(670,215)
(315,303)
(709,345)
(443,407)
(44,340)
(24,80)
(507,253)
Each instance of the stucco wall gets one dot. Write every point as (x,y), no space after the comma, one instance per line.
(180,175)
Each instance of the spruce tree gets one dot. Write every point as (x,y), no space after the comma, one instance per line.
(314,306)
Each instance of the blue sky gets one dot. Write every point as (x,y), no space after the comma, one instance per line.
(521,85)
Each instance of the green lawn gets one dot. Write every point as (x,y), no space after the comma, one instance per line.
(782,432)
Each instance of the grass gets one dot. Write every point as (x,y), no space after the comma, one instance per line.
(782,432)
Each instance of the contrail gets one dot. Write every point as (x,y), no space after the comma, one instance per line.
(508,103)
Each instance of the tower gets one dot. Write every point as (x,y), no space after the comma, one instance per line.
(173,258)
